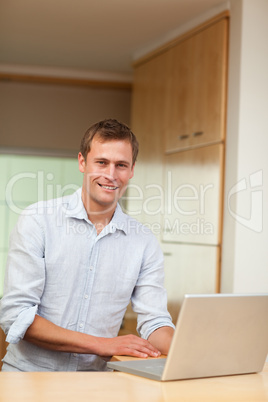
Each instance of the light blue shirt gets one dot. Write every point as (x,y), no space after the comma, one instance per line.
(59,268)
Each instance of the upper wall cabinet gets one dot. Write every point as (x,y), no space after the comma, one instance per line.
(196,88)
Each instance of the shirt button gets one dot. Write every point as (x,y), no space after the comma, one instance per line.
(81,325)
(91,268)
(75,354)
(86,296)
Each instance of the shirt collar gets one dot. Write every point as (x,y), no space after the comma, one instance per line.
(119,220)
(75,209)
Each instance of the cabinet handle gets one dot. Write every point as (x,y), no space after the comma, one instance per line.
(183,136)
(167,254)
(196,133)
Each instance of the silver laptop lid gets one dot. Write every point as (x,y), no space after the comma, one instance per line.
(215,335)
(219,334)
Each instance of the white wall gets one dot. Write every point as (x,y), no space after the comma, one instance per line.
(245,239)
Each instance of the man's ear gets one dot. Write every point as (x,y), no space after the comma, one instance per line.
(81,162)
(132,172)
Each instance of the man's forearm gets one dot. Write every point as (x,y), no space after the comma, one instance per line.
(47,335)
(161,338)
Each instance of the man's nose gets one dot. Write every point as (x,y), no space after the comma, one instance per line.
(112,171)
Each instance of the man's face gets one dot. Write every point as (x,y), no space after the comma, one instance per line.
(107,170)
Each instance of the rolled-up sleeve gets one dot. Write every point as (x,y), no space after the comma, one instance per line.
(24,277)
(149,298)
(21,324)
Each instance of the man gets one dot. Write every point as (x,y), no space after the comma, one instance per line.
(76,262)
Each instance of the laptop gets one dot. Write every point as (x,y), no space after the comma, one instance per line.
(216,335)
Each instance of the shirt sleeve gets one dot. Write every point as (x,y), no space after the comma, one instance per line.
(24,277)
(149,299)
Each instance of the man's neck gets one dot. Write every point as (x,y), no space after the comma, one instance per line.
(99,221)
(99,216)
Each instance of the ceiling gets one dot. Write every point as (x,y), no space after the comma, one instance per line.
(96,35)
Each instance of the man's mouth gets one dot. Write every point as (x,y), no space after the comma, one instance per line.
(108,187)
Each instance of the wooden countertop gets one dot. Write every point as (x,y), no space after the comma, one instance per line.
(114,386)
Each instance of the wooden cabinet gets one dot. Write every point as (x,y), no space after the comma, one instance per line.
(145,191)
(196,88)
(189,269)
(193,194)
(178,115)
(3,346)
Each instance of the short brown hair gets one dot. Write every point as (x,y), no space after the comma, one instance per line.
(108,130)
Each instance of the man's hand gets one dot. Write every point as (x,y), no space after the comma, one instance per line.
(127,345)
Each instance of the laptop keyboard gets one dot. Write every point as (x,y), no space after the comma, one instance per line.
(156,365)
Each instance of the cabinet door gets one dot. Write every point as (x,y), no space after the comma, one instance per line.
(3,346)
(196,89)
(189,269)
(145,190)
(193,195)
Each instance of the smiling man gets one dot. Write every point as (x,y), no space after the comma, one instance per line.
(74,265)
(107,169)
